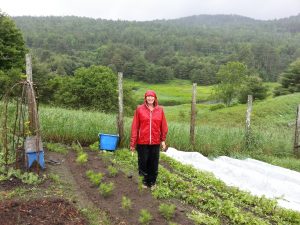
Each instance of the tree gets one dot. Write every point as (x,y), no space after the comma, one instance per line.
(12,53)
(290,80)
(12,47)
(253,85)
(94,87)
(230,77)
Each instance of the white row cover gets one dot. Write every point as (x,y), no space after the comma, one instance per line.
(258,178)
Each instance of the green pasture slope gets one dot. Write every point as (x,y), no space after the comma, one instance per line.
(175,92)
(219,132)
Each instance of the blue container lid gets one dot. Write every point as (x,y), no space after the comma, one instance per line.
(113,135)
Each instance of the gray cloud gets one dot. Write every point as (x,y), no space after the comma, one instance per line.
(152,9)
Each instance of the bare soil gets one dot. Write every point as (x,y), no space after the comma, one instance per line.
(60,211)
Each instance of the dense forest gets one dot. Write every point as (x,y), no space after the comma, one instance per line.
(187,48)
(75,59)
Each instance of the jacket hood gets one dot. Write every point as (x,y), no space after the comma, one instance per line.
(151,93)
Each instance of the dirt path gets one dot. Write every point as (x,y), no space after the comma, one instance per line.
(77,189)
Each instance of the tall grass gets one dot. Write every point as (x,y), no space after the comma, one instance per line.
(219,132)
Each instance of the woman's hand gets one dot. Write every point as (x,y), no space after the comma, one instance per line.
(163,146)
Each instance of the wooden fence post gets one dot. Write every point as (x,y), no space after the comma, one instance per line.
(297,134)
(30,96)
(248,118)
(121,110)
(193,116)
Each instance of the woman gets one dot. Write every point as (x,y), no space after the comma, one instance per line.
(148,131)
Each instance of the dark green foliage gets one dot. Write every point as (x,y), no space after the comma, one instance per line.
(12,47)
(12,53)
(191,48)
(230,77)
(290,80)
(254,86)
(216,107)
(94,87)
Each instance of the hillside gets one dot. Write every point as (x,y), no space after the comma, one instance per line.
(188,48)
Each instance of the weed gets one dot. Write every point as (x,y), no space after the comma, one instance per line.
(126,203)
(112,171)
(54,177)
(167,210)
(140,183)
(82,158)
(106,189)
(57,147)
(145,217)
(95,146)
(95,178)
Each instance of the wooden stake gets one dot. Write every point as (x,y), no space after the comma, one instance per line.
(121,110)
(193,116)
(248,118)
(297,133)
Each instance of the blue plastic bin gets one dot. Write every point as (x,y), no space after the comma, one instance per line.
(108,142)
(35,156)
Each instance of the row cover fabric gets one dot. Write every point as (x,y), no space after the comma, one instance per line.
(257,177)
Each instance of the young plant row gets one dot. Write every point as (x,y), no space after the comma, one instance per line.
(106,189)
(266,209)
(213,200)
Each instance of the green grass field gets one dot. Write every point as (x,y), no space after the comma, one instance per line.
(219,132)
(175,92)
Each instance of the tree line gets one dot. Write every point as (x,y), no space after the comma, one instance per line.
(203,49)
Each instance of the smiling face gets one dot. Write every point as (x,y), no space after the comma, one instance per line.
(150,100)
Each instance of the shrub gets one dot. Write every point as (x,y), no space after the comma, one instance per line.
(216,107)
(167,210)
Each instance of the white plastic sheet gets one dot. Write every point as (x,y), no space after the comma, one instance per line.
(259,178)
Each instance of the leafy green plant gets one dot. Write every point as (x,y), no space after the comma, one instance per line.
(95,146)
(54,177)
(95,178)
(106,189)
(145,217)
(82,158)
(201,218)
(112,171)
(30,178)
(172,223)
(126,203)
(167,210)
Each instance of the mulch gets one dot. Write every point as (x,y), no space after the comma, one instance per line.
(40,211)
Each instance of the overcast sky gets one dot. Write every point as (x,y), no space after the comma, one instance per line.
(142,10)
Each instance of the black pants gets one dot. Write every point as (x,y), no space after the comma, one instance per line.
(148,158)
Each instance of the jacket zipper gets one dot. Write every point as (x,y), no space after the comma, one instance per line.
(150,125)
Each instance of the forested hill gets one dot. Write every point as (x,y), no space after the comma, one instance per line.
(187,48)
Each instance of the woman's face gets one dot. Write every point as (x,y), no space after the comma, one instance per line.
(150,100)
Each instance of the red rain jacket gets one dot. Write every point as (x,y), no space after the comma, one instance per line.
(148,127)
